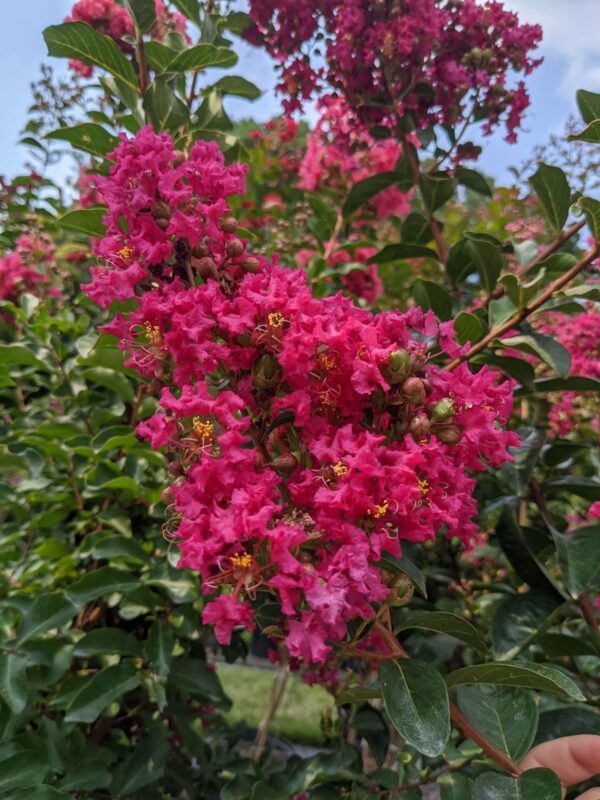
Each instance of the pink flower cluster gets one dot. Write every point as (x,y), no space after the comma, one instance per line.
(19,270)
(423,57)
(111,19)
(306,437)
(580,334)
(340,154)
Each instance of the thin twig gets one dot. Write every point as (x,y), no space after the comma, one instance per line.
(555,246)
(522,315)
(334,236)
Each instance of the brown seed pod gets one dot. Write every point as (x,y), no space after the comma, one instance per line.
(229,224)
(234,248)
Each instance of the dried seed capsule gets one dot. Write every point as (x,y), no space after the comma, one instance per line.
(234,248)
(229,225)
(449,434)
(420,425)
(413,390)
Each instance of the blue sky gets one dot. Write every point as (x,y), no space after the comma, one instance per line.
(571,49)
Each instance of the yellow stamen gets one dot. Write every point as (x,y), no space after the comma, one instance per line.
(153,334)
(276,319)
(204,430)
(328,360)
(424,487)
(379,510)
(327,400)
(340,468)
(241,562)
(126,254)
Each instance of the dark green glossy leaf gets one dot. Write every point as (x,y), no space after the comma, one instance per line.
(193,676)
(579,557)
(364,190)
(552,188)
(121,547)
(87,136)
(484,253)
(88,775)
(13,681)
(102,689)
(145,765)
(518,619)
(589,105)
(111,379)
(19,355)
(236,85)
(166,111)
(567,721)
(450,624)
(158,55)
(143,13)
(573,484)
(416,230)
(507,717)
(80,41)
(48,611)
(106,641)
(84,220)
(416,701)
(468,328)
(202,56)
(549,350)
(591,209)
(41,792)
(524,675)
(189,8)
(159,647)
(24,768)
(576,383)
(589,134)
(474,181)
(535,784)
(437,188)
(101,582)
(430,295)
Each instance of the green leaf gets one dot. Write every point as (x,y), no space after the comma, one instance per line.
(158,55)
(468,328)
(516,548)
(535,784)
(111,379)
(591,209)
(80,41)
(107,641)
(474,181)
(573,484)
(399,252)
(48,611)
(88,775)
(455,786)
(145,765)
(518,619)
(567,721)
(84,220)
(101,582)
(416,230)
(449,624)
(405,565)
(189,9)
(589,134)
(202,56)
(193,676)
(236,85)
(576,383)
(24,768)
(437,188)
(159,647)
(416,701)
(524,675)
(507,717)
(87,136)
(430,295)
(589,105)
(143,13)
(549,350)
(41,792)
(166,111)
(13,681)
(579,557)
(21,356)
(484,253)
(364,190)
(102,689)
(552,188)
(121,547)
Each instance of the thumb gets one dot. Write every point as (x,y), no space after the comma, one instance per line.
(592,794)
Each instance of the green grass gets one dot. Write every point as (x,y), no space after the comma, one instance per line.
(299,714)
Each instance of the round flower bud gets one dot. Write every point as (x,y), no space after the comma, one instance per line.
(200,251)
(251,264)
(413,390)
(161,211)
(163,224)
(266,372)
(229,225)
(449,434)
(285,463)
(175,468)
(234,248)
(398,366)
(167,496)
(444,410)
(205,266)
(420,425)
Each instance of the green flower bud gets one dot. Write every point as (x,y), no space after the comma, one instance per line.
(266,372)
(398,366)
(444,410)
(449,434)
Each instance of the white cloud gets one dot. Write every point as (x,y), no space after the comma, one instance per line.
(570,32)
